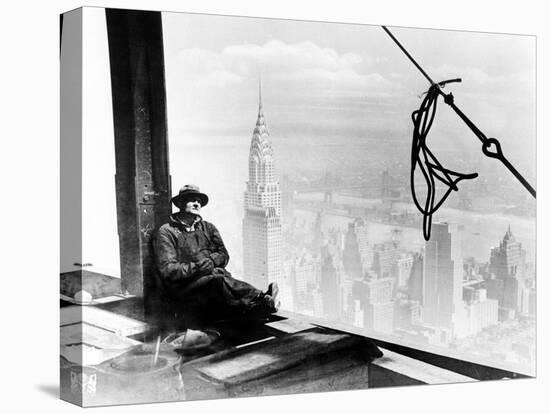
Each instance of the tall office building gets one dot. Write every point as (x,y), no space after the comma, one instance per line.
(480,311)
(406,313)
(404,267)
(306,270)
(357,255)
(415,285)
(507,284)
(443,305)
(262,228)
(375,298)
(330,287)
(384,258)
(508,259)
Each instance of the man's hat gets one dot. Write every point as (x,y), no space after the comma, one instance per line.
(187,192)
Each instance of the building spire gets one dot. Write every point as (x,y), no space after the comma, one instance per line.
(508,234)
(260,91)
(261,121)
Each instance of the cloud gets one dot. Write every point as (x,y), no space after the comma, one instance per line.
(207,68)
(281,57)
(304,63)
(494,86)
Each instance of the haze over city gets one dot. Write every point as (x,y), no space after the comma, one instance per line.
(337,101)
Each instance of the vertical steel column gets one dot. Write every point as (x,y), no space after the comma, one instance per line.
(136,56)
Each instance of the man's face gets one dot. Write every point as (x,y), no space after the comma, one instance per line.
(193,206)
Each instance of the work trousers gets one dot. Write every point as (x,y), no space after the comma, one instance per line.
(219,296)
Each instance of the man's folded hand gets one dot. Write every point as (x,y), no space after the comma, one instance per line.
(205,265)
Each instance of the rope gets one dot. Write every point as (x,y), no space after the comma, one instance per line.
(424,158)
(490,146)
(431,168)
(408,55)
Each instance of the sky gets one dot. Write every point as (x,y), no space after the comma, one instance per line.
(334,95)
(323,85)
(343,82)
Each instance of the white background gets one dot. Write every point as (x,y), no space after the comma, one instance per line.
(29,130)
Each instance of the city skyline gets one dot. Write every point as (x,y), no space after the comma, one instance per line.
(350,133)
(458,305)
(382,286)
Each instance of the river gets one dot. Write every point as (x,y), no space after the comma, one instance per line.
(481,231)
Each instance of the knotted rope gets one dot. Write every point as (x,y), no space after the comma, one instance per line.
(429,165)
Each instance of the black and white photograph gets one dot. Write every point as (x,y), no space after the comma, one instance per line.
(291,205)
(282,207)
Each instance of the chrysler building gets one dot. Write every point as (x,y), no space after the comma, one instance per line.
(262,229)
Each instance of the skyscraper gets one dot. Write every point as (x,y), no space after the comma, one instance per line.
(375,297)
(307,274)
(404,265)
(330,287)
(507,284)
(384,258)
(443,306)
(415,284)
(508,259)
(262,228)
(480,311)
(357,253)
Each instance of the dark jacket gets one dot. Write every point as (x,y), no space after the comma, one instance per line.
(177,252)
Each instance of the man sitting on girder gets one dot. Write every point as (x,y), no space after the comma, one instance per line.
(191,258)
